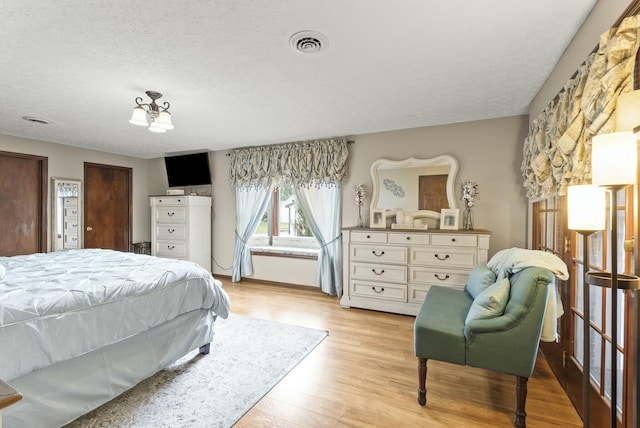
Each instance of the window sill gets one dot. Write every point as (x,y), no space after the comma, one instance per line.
(287,252)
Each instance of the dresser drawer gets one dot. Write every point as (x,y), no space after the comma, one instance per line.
(71,212)
(70,241)
(417,292)
(443,257)
(451,240)
(408,238)
(170,231)
(375,272)
(444,277)
(171,249)
(379,254)
(170,201)
(383,291)
(174,214)
(377,237)
(71,226)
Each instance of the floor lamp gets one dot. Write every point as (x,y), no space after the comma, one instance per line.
(586,215)
(614,167)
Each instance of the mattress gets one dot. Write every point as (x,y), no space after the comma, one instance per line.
(60,305)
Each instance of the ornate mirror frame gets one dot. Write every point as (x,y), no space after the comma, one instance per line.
(384,186)
(66,213)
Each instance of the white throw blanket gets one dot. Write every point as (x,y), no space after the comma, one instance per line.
(512,260)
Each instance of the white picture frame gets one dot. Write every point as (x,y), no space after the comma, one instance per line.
(449,218)
(378,218)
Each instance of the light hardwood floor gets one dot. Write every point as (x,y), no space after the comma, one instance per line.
(364,374)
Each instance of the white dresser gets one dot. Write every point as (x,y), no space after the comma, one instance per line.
(70,221)
(181,228)
(392,270)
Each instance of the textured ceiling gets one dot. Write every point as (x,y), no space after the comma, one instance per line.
(232,79)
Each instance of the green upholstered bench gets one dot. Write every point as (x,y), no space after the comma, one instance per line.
(506,343)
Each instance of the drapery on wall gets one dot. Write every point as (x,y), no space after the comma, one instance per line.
(315,169)
(308,163)
(557,151)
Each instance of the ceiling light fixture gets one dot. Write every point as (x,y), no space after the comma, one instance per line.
(156,117)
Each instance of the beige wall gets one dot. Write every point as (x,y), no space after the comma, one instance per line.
(489,152)
(68,162)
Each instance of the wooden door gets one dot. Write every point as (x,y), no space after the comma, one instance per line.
(600,322)
(23,192)
(432,192)
(550,233)
(107,209)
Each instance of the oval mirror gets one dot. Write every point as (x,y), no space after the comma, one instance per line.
(419,187)
(66,214)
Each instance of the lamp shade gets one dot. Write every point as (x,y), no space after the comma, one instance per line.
(628,111)
(614,159)
(139,117)
(164,120)
(155,128)
(586,207)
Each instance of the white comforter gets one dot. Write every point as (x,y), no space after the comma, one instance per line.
(56,306)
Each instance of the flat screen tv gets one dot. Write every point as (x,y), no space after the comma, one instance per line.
(188,170)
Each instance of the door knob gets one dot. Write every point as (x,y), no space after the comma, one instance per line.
(89,228)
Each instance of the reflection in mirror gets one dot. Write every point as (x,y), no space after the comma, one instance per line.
(66,207)
(416,189)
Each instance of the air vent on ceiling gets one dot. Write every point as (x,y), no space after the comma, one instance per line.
(308,42)
(36,120)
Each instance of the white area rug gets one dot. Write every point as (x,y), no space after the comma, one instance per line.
(248,357)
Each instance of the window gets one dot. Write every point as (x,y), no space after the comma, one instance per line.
(283,229)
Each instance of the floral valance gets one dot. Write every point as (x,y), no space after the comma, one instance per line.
(557,151)
(303,164)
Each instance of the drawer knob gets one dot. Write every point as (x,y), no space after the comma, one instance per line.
(376,254)
(171,230)
(441,278)
(171,214)
(378,273)
(171,247)
(453,239)
(408,238)
(378,291)
(368,236)
(442,258)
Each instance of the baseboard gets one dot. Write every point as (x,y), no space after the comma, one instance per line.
(227,278)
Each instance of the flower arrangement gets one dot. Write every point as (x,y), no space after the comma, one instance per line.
(470,193)
(361,192)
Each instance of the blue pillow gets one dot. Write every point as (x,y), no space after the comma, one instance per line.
(491,302)
(480,278)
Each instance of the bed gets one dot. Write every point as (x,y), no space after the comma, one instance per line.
(80,327)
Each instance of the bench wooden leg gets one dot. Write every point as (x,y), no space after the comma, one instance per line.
(521,395)
(422,380)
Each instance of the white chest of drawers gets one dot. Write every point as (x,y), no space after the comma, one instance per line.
(392,270)
(70,221)
(181,228)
